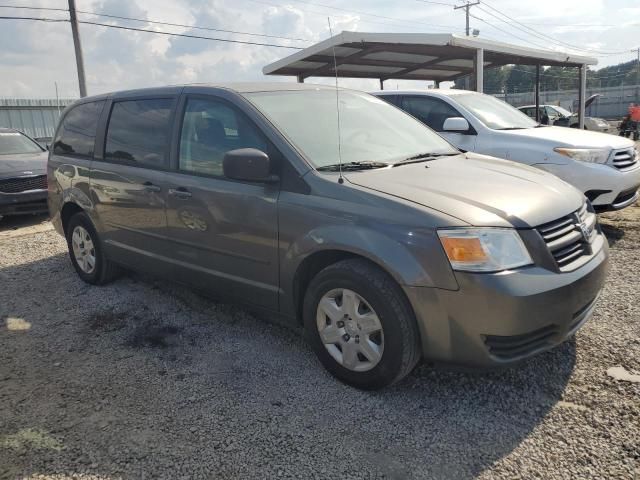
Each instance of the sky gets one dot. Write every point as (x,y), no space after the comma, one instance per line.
(35,56)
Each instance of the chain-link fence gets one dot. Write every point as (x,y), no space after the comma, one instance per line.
(613,102)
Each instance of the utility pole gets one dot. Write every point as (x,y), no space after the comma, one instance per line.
(78,48)
(467,6)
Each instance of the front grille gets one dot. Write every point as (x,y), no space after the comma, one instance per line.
(569,238)
(23,184)
(514,346)
(624,159)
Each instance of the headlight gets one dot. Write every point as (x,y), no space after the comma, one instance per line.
(591,155)
(484,249)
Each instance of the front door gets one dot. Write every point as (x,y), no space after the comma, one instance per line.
(224,232)
(129,181)
(433,112)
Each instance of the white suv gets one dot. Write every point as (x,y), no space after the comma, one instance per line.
(605,167)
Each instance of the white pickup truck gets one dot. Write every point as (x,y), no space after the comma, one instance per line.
(605,167)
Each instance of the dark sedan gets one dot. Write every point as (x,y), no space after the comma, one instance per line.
(23,174)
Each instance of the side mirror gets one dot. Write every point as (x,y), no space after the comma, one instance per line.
(249,165)
(455,124)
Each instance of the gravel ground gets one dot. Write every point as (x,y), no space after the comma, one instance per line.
(143,379)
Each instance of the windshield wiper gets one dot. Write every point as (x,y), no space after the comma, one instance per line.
(423,157)
(351,166)
(511,128)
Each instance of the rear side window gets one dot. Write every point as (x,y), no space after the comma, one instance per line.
(392,99)
(527,111)
(139,131)
(77,134)
(430,111)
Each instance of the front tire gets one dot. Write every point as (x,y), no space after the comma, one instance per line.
(86,251)
(360,325)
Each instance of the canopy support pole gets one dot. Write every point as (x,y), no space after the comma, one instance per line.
(478,69)
(436,83)
(381,84)
(300,78)
(538,93)
(582,90)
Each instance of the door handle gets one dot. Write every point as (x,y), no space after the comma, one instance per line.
(150,187)
(180,192)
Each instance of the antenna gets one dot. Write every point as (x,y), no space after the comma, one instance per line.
(335,69)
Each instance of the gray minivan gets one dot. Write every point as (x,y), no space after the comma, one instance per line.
(387,243)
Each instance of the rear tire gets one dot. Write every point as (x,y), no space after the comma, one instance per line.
(384,356)
(86,253)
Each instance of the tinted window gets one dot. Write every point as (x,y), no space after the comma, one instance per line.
(210,129)
(16,142)
(392,99)
(528,111)
(77,134)
(431,111)
(139,132)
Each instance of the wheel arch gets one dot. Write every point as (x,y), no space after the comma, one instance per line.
(69,209)
(315,253)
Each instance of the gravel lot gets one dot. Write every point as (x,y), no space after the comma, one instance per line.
(143,379)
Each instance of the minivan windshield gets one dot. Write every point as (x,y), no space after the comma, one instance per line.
(494,113)
(372,132)
(12,143)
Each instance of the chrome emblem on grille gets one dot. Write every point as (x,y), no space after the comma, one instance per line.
(27,173)
(586,233)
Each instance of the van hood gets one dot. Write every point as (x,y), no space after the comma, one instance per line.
(23,164)
(571,137)
(477,189)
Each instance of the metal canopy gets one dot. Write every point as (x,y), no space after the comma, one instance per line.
(422,56)
(411,56)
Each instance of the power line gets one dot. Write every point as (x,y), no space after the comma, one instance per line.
(158,22)
(39,19)
(509,33)
(438,3)
(541,35)
(194,27)
(24,7)
(360,12)
(158,32)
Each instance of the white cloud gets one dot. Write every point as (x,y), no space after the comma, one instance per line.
(36,54)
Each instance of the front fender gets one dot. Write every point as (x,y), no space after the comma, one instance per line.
(413,257)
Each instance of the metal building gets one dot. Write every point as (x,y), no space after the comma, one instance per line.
(37,117)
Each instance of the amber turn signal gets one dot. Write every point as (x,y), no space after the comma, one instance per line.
(464,249)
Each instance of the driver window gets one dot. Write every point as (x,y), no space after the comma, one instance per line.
(210,129)
(430,111)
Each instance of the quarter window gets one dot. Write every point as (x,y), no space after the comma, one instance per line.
(77,135)
(430,111)
(210,129)
(139,132)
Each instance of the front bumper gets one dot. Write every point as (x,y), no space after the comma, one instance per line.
(607,187)
(497,319)
(34,201)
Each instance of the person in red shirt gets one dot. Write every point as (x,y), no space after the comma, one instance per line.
(633,120)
